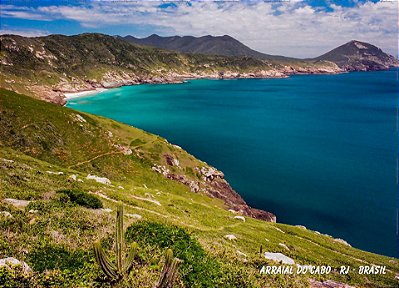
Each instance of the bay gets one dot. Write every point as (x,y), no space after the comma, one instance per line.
(316,150)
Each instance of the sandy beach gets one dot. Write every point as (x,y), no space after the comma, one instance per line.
(83,93)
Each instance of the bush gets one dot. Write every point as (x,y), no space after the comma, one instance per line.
(51,256)
(82,198)
(14,277)
(198,268)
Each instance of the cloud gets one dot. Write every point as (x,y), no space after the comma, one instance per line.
(24,32)
(287,28)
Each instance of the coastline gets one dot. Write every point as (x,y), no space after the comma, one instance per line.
(72,95)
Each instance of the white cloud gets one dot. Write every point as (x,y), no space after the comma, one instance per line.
(24,32)
(290,28)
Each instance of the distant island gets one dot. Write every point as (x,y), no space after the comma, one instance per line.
(48,67)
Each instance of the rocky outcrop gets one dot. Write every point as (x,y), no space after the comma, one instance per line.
(213,184)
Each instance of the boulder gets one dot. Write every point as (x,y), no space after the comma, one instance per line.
(17,203)
(11,261)
(230,237)
(242,218)
(279,257)
(101,180)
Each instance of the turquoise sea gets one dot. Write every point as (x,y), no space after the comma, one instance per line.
(316,150)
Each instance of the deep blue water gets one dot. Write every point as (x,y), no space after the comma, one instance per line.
(316,150)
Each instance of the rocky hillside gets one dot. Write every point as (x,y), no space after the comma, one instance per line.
(359,56)
(46,67)
(54,160)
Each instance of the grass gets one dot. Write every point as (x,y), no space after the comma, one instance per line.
(39,138)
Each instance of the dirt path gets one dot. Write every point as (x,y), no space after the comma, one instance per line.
(94,158)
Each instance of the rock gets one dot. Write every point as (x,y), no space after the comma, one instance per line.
(241,254)
(125,150)
(79,118)
(11,261)
(33,211)
(72,177)
(301,226)
(242,218)
(161,169)
(284,246)
(55,173)
(342,241)
(101,180)
(328,284)
(5,214)
(80,180)
(17,203)
(136,216)
(230,237)
(279,257)
(233,211)
(107,210)
(171,161)
(7,160)
(110,135)
(214,185)
(121,187)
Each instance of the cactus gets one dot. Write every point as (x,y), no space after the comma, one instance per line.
(115,273)
(169,271)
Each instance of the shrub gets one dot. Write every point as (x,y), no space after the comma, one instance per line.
(198,269)
(14,277)
(51,256)
(82,198)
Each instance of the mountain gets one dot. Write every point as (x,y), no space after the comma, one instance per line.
(47,67)
(53,159)
(209,45)
(359,56)
(352,56)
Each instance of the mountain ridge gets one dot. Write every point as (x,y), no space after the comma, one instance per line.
(228,46)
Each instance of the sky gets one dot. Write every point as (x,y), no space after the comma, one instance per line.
(296,28)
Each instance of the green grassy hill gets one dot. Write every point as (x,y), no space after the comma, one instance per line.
(47,149)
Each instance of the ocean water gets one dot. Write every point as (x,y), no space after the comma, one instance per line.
(316,150)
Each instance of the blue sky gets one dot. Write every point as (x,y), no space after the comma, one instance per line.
(286,27)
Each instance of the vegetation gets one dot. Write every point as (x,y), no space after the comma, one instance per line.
(55,237)
(123,267)
(82,198)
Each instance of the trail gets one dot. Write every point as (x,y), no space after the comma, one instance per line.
(94,158)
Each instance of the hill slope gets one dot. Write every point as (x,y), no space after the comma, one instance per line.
(209,45)
(352,56)
(359,56)
(46,148)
